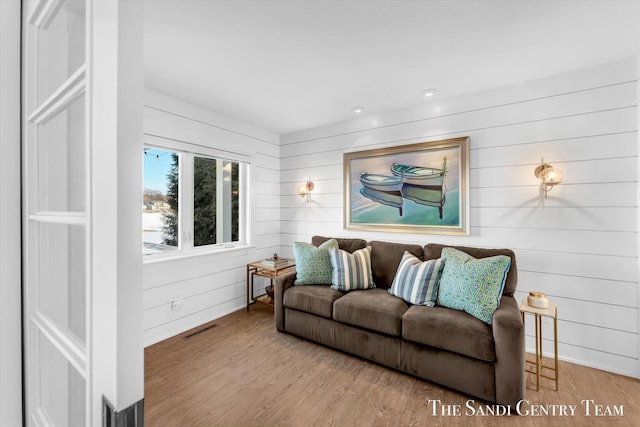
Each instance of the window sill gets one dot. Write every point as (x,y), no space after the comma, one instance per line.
(194,253)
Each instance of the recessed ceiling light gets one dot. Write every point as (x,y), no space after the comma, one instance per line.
(358,110)
(429,92)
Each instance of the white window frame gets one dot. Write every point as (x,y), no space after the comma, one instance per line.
(188,151)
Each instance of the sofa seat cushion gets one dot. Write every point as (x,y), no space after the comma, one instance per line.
(449,329)
(312,299)
(373,309)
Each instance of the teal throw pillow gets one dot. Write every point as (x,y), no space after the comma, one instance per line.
(313,265)
(416,281)
(472,285)
(351,271)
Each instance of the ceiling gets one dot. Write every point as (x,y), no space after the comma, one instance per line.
(291,65)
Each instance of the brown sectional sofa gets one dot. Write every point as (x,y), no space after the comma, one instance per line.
(445,346)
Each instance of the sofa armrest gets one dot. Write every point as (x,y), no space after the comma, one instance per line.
(508,335)
(281,283)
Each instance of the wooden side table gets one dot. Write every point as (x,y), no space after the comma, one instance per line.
(259,269)
(538,313)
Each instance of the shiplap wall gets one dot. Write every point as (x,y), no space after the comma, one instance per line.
(580,245)
(210,286)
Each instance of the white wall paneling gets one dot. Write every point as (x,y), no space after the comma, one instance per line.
(580,245)
(592,78)
(211,285)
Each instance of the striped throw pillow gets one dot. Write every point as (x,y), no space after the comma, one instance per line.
(351,271)
(416,281)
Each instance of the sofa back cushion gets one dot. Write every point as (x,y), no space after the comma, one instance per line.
(385,259)
(349,245)
(434,251)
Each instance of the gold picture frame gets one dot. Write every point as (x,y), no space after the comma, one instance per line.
(415,188)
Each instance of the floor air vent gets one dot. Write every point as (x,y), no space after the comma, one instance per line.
(199,331)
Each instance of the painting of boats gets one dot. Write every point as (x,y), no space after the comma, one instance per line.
(420,184)
(420,175)
(381,182)
(388,198)
(419,188)
(426,196)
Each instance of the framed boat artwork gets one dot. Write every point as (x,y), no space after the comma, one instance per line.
(416,188)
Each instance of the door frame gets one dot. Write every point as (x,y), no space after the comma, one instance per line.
(11,400)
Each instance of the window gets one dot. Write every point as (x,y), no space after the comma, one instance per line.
(160,213)
(191,201)
(216,203)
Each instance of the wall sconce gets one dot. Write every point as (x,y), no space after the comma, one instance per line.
(548,176)
(306,189)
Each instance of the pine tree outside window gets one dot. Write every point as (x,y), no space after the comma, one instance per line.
(215,201)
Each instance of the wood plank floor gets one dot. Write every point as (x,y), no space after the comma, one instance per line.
(242,372)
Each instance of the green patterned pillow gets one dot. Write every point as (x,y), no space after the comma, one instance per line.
(313,265)
(472,285)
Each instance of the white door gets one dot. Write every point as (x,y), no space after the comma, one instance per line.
(82,138)
(55,213)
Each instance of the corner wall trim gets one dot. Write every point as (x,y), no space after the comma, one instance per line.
(132,416)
